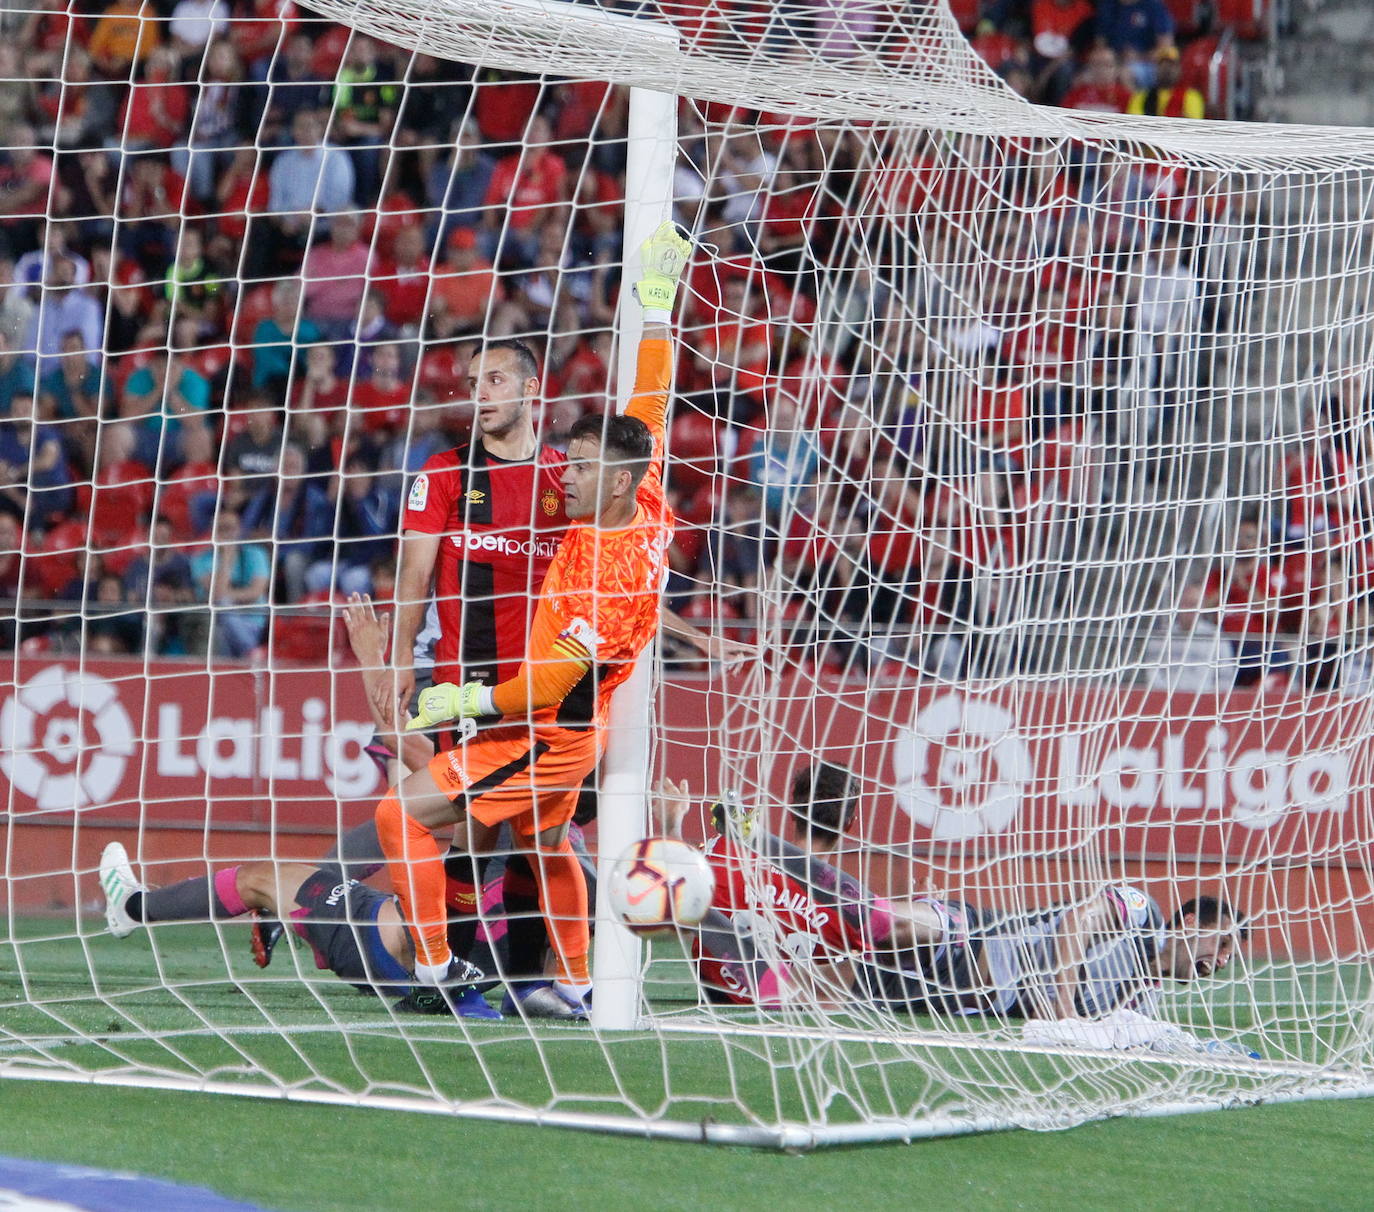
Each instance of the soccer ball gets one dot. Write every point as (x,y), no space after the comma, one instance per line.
(660,884)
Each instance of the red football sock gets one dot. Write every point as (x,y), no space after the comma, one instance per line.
(417,875)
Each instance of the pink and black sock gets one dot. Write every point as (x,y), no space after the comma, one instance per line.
(203,898)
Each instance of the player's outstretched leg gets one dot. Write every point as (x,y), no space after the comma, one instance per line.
(128,904)
(118,882)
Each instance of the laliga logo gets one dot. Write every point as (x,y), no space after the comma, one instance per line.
(962,769)
(56,769)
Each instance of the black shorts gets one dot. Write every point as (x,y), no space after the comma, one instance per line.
(930,980)
(338,918)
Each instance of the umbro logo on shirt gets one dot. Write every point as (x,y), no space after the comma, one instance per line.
(476,496)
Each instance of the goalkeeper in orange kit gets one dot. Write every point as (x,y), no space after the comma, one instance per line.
(598,609)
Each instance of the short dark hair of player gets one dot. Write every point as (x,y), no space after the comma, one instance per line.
(1209,911)
(626,440)
(524,355)
(824,801)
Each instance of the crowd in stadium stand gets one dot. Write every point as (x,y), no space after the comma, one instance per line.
(234,252)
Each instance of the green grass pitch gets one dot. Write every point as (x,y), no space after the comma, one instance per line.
(295,1156)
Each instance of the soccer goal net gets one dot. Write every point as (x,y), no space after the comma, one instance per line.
(1018,672)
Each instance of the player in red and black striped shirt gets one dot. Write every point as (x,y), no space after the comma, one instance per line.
(482,522)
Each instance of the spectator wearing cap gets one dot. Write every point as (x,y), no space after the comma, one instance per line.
(1136,30)
(1168,97)
(465,284)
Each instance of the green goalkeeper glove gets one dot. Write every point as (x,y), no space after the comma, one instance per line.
(445,702)
(665,254)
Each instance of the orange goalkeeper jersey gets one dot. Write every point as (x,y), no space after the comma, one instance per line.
(601,597)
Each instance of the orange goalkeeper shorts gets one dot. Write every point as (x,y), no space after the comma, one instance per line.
(531,779)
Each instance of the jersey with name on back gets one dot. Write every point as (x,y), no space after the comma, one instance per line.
(767,902)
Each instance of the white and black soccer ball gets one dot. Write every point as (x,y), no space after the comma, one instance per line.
(660,884)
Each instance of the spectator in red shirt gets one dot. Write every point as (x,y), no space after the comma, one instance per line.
(1320,481)
(526,184)
(120,499)
(465,287)
(1100,87)
(258,29)
(320,387)
(1248,596)
(156,114)
(242,192)
(383,395)
(11,558)
(26,178)
(187,499)
(403,280)
(503,105)
(734,353)
(1059,31)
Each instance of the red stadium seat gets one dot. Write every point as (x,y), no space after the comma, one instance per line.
(308,635)
(694,450)
(1247,19)
(966,13)
(1186,15)
(254,305)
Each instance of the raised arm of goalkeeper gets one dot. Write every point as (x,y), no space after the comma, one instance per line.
(664,256)
(549,674)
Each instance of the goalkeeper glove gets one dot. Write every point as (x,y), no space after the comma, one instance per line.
(445,702)
(665,254)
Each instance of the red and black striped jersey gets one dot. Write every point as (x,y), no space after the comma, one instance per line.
(500,524)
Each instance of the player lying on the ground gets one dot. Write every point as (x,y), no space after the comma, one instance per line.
(355,931)
(598,609)
(1078,961)
(816,917)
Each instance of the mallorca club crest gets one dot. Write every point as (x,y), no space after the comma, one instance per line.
(548,502)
